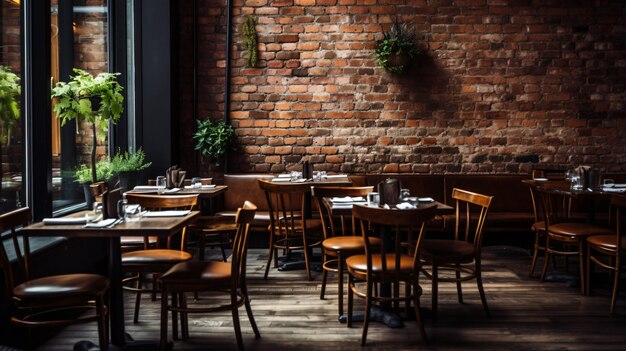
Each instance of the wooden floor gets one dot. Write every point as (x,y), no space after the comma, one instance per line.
(526,315)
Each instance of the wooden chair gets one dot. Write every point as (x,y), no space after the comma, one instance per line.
(197,276)
(155,261)
(37,302)
(611,247)
(290,229)
(538,228)
(341,240)
(463,254)
(386,263)
(564,237)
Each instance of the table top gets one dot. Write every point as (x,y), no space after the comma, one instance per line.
(563,187)
(345,211)
(203,193)
(336,181)
(154,226)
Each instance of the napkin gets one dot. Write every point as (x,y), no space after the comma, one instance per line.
(65,220)
(281,180)
(172,213)
(171,191)
(347,199)
(338,205)
(336,176)
(284,176)
(425,199)
(146,187)
(101,224)
(614,190)
(404,206)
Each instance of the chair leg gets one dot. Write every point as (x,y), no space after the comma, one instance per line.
(138,285)
(546,259)
(615,284)
(581,264)
(434,290)
(200,245)
(307,261)
(175,316)
(246,300)
(479,282)
(163,340)
(272,253)
(459,291)
(184,322)
(350,299)
(103,339)
(324,276)
(368,307)
(588,281)
(418,315)
(339,283)
(236,324)
(533,261)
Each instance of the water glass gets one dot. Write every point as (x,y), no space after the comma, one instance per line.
(196,182)
(161,183)
(576,182)
(295,176)
(373,199)
(135,216)
(121,209)
(404,195)
(317,175)
(95,214)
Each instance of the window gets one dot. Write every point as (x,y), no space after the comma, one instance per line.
(79,39)
(11,118)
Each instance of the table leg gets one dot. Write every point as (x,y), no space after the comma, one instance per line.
(116,305)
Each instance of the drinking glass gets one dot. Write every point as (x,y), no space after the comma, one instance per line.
(95,214)
(373,199)
(317,175)
(576,182)
(135,215)
(196,182)
(121,209)
(161,183)
(404,195)
(295,175)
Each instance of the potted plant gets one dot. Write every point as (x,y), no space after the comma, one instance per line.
(127,166)
(10,91)
(83,175)
(397,50)
(97,100)
(213,139)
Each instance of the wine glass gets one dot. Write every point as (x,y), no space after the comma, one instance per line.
(161,183)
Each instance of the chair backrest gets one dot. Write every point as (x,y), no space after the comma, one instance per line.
(618,202)
(471,210)
(286,204)
(11,221)
(390,226)
(244,187)
(555,206)
(165,202)
(245,216)
(336,225)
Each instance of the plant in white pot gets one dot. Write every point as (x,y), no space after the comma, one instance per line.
(97,100)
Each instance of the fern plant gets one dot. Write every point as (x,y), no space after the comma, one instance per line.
(213,139)
(248,28)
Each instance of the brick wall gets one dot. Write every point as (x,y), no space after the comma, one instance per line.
(500,83)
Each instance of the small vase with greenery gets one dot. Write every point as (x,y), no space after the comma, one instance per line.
(397,50)
(213,139)
(127,167)
(10,91)
(248,28)
(77,99)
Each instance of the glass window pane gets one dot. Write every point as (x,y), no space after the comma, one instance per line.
(11,121)
(87,50)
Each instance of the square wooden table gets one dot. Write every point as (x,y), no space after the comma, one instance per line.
(161,227)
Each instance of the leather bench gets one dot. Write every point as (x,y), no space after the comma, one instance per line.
(242,187)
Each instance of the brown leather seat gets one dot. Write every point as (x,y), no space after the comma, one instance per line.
(210,276)
(602,250)
(290,229)
(387,265)
(459,254)
(563,234)
(36,299)
(155,261)
(340,239)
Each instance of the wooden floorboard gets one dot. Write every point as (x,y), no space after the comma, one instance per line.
(526,315)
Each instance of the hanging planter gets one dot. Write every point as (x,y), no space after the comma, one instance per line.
(397,51)
(248,28)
